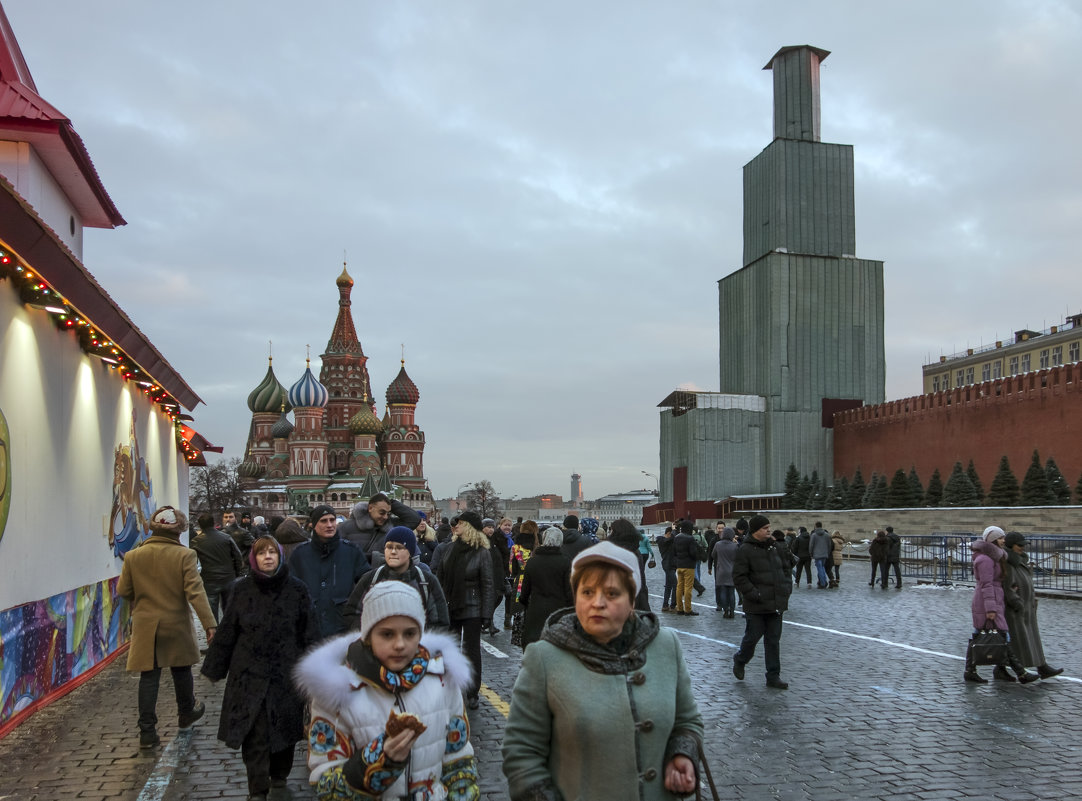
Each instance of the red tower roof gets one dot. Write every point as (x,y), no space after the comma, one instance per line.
(402,389)
(344,335)
(26,117)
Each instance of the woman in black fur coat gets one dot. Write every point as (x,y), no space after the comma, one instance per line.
(267,627)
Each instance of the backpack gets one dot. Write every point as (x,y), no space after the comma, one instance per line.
(700,547)
(422,582)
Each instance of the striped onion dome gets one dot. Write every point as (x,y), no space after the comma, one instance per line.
(269,395)
(283,428)
(308,392)
(365,421)
(250,469)
(402,389)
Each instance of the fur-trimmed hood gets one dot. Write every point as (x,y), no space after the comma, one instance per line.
(323,673)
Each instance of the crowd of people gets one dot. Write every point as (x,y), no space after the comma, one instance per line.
(363,635)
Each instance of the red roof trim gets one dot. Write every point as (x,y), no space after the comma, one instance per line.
(35,242)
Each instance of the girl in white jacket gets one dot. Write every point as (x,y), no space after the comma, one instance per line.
(355,684)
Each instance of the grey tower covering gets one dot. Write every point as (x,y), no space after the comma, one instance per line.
(801,323)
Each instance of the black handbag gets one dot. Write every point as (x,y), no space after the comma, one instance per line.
(516,629)
(989,647)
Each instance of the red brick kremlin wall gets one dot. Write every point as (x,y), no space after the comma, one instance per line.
(982,422)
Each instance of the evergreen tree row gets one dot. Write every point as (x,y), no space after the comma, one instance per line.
(1041,486)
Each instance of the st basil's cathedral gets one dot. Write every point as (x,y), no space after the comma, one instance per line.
(336,450)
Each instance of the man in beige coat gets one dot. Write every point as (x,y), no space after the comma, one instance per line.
(161,580)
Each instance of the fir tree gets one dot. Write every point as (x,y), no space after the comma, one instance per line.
(803,492)
(1004,490)
(1035,490)
(877,498)
(971,472)
(816,498)
(1057,484)
(916,489)
(959,490)
(839,494)
(869,490)
(934,495)
(898,496)
(792,481)
(1078,491)
(855,498)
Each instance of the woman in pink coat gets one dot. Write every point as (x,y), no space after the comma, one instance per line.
(989,606)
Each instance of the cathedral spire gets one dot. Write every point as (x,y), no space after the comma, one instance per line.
(344,335)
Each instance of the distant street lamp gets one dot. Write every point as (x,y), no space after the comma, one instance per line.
(657,481)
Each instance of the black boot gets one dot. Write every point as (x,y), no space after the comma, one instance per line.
(1024,676)
(1046,672)
(999,673)
(971,673)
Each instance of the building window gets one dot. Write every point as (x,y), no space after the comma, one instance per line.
(969,375)
(946,380)
(1044,359)
(1057,355)
(997,369)
(1072,351)
(935,384)
(986,371)
(1025,362)
(960,379)
(1014,365)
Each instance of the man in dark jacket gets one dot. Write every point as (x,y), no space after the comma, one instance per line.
(802,553)
(820,547)
(330,567)
(220,562)
(686,555)
(369,521)
(894,558)
(574,540)
(763,579)
(242,536)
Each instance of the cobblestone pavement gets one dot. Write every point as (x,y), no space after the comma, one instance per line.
(876,709)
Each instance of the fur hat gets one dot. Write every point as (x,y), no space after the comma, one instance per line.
(528,527)
(387,599)
(473,519)
(488,522)
(167,520)
(608,553)
(403,536)
(993,533)
(571,521)
(756,523)
(319,511)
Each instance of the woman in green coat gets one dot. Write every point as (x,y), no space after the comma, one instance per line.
(1021,610)
(603,706)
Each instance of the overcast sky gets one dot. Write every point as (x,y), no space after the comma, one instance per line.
(537,199)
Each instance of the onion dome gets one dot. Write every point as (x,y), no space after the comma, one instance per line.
(402,389)
(269,395)
(283,428)
(308,392)
(365,421)
(250,469)
(345,279)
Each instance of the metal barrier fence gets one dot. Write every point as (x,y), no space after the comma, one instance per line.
(945,557)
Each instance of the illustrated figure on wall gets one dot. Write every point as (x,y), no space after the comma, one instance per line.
(5,473)
(133,496)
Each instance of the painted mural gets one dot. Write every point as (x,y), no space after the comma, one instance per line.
(133,496)
(5,473)
(45,644)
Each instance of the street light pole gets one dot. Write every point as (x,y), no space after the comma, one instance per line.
(657,481)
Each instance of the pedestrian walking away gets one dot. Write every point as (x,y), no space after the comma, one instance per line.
(764,582)
(160,579)
(721,565)
(387,718)
(1021,608)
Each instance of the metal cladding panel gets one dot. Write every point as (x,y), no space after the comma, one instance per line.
(799,196)
(796,93)
(725,452)
(796,438)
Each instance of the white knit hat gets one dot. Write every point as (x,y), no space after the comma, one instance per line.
(608,553)
(390,598)
(993,533)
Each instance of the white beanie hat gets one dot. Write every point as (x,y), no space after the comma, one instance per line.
(608,553)
(390,598)
(993,533)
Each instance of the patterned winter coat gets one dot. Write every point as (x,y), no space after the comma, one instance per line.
(350,712)
(268,624)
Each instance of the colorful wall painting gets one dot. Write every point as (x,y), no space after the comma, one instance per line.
(133,496)
(46,644)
